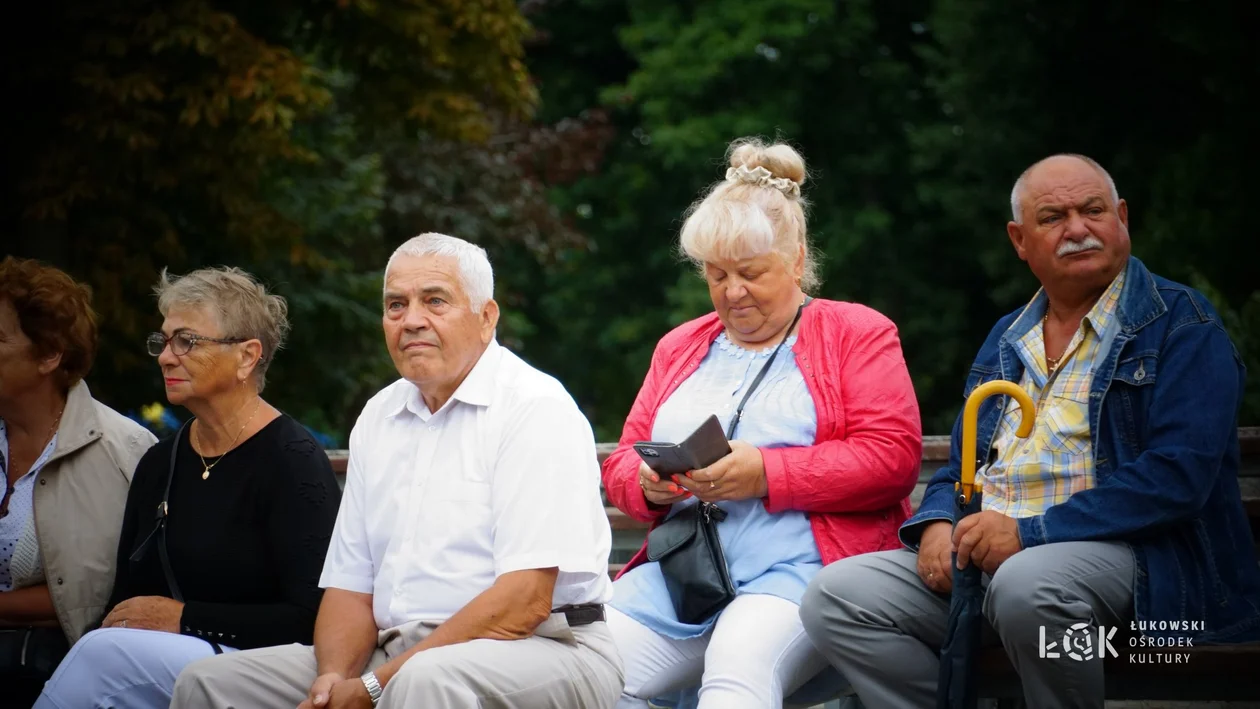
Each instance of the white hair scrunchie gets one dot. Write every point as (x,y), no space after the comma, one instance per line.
(762,177)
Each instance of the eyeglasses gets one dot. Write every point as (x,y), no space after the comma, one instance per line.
(182,342)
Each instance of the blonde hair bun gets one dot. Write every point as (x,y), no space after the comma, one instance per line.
(780,159)
(757,209)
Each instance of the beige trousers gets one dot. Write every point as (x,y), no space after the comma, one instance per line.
(558,668)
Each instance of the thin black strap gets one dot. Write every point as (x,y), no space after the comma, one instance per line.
(739,412)
(165,512)
(158,535)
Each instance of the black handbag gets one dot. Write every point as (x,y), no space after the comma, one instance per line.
(687,545)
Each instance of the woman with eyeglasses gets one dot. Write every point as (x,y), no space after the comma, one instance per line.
(67,460)
(227,521)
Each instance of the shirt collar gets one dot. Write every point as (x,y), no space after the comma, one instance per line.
(477,389)
(1101,315)
(1098,316)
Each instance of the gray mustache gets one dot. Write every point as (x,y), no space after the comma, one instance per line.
(1075,247)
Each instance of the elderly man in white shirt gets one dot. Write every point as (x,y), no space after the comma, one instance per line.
(468,565)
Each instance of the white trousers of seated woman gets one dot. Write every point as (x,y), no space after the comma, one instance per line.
(122,668)
(756,654)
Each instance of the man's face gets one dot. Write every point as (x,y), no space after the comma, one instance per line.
(433,335)
(1072,231)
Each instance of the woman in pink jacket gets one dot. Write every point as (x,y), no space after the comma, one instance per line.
(824,452)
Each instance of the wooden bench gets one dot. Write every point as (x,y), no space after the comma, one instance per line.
(1230,673)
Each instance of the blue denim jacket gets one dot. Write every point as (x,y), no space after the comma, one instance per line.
(1163,410)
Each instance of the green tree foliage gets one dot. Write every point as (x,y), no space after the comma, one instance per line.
(915,118)
(304,140)
(188,133)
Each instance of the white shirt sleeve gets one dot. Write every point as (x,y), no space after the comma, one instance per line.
(348,565)
(545,494)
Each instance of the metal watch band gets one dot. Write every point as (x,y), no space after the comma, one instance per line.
(373,686)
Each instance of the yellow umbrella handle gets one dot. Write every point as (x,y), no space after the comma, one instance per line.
(971,411)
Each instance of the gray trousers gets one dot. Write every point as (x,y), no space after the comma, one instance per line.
(558,668)
(875,621)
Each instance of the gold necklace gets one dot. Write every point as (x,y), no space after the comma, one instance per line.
(1052,363)
(9,489)
(206,473)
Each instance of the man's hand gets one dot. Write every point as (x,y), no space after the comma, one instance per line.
(935,554)
(986,539)
(146,613)
(350,694)
(739,475)
(321,688)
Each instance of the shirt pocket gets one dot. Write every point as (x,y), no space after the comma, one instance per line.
(1068,423)
(457,508)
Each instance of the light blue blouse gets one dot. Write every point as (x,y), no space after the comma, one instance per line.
(771,554)
(19,552)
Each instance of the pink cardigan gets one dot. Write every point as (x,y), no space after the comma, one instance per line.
(855,481)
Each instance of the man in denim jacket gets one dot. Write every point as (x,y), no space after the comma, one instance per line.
(1122,505)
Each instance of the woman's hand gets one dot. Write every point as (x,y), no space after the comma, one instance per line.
(662,493)
(739,475)
(146,613)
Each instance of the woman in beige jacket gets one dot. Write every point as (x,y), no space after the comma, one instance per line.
(67,460)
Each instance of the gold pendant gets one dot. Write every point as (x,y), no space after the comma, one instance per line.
(205,474)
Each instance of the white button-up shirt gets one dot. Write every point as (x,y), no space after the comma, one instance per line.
(437,505)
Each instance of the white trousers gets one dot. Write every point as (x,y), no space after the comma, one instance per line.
(122,668)
(756,654)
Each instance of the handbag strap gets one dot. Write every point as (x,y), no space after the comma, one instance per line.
(710,513)
(158,535)
(739,411)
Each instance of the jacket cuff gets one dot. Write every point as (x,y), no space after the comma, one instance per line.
(911,531)
(197,622)
(778,491)
(1032,531)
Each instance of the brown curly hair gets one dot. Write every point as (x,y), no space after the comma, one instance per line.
(55,311)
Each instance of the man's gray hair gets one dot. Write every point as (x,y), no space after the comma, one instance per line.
(1017,192)
(475,274)
(238,301)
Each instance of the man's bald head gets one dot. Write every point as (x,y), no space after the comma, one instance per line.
(1017,192)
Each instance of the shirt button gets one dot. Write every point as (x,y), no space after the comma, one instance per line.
(432,428)
(43,481)
(60,581)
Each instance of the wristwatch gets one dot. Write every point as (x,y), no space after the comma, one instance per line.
(373,686)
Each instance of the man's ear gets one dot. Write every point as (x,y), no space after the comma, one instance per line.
(489,320)
(1122,209)
(1016,233)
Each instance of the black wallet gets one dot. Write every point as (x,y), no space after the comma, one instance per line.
(704,447)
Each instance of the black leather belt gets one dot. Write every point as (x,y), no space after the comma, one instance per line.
(582,615)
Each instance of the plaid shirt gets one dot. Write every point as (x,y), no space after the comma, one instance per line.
(1057,459)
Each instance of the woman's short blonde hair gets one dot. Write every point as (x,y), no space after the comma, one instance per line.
(757,209)
(239,301)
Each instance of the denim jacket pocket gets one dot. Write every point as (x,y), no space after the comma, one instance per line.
(978,376)
(1138,370)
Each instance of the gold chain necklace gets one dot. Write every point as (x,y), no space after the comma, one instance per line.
(1052,363)
(9,488)
(206,473)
